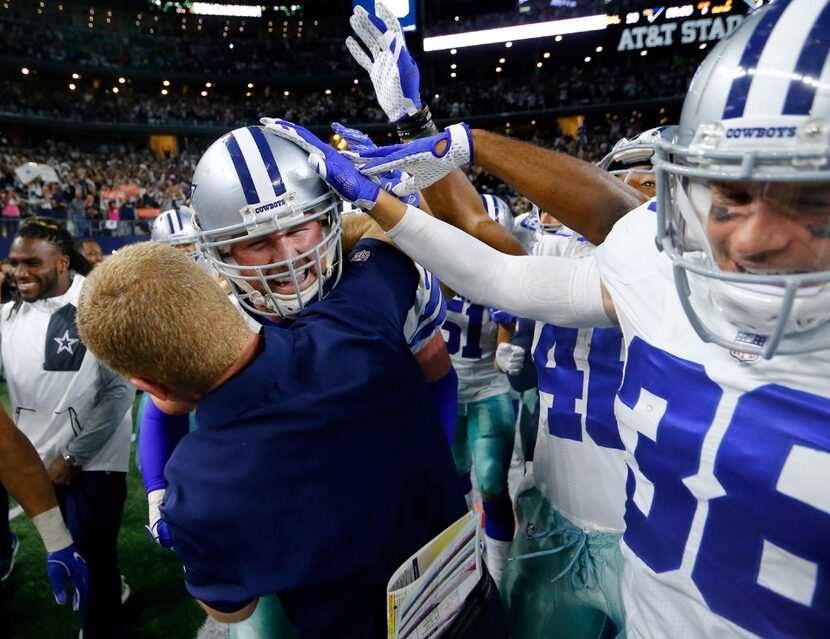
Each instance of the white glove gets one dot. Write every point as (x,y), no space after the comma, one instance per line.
(392,70)
(157,527)
(510,358)
(419,158)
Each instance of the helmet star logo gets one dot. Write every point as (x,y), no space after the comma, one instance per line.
(65,343)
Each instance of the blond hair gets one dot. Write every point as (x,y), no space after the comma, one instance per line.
(149,311)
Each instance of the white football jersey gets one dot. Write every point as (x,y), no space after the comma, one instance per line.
(53,380)
(728,492)
(579,463)
(470,332)
(425,317)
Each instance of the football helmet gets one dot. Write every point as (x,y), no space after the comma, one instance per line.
(752,153)
(630,157)
(249,184)
(498,210)
(175,227)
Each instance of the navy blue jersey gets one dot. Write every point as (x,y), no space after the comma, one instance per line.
(322,466)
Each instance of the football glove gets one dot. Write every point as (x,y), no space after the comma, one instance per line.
(340,174)
(157,527)
(64,564)
(391,68)
(510,358)
(420,159)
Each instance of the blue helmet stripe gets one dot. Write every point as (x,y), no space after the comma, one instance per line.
(242,171)
(268,159)
(810,63)
(169,221)
(738,92)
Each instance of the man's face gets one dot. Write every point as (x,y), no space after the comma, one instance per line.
(645,183)
(280,247)
(770,228)
(92,252)
(39,268)
(187,249)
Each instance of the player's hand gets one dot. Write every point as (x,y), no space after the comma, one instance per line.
(62,474)
(510,358)
(392,70)
(157,527)
(358,143)
(340,174)
(68,564)
(357,140)
(425,160)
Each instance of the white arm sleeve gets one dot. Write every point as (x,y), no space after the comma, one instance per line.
(555,290)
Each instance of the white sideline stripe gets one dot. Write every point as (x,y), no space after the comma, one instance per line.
(17,510)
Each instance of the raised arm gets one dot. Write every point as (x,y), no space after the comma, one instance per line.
(583,196)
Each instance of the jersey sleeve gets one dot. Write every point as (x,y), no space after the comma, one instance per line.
(427,313)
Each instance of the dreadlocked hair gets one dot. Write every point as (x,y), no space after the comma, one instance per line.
(52,231)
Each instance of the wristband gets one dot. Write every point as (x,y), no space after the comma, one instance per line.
(417,126)
(52,530)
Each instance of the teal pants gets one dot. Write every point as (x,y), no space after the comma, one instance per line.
(570,587)
(267,622)
(484,433)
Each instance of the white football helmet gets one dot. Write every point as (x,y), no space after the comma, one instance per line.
(175,227)
(754,132)
(498,210)
(249,184)
(633,156)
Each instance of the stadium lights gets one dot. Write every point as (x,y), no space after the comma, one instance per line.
(115,89)
(507,45)
(204,94)
(24,71)
(76,76)
(587,58)
(546,55)
(452,75)
(164,91)
(72,86)
(356,81)
(166,83)
(208,85)
(122,80)
(558,38)
(286,93)
(498,69)
(250,85)
(538,65)
(501,60)
(598,49)
(328,91)
(643,52)
(230,46)
(236,10)
(518,32)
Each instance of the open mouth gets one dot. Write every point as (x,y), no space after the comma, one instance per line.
(740,268)
(285,285)
(26,288)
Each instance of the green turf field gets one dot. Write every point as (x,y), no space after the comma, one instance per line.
(159,606)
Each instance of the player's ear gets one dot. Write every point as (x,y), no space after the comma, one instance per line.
(157,390)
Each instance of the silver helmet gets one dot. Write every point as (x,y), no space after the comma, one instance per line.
(630,157)
(175,227)
(498,210)
(250,184)
(753,147)
(526,228)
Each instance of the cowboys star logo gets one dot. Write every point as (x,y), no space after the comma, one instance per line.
(65,343)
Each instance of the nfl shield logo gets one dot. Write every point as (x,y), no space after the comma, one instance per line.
(361,256)
(748,339)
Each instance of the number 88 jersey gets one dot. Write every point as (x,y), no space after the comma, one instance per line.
(728,489)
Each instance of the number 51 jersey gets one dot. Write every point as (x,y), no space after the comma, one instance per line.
(728,489)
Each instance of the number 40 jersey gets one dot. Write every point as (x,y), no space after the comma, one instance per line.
(728,490)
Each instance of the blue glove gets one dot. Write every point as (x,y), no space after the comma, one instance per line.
(357,140)
(340,174)
(420,159)
(68,564)
(391,68)
(358,143)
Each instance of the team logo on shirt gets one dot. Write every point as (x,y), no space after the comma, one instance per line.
(361,256)
(64,349)
(748,339)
